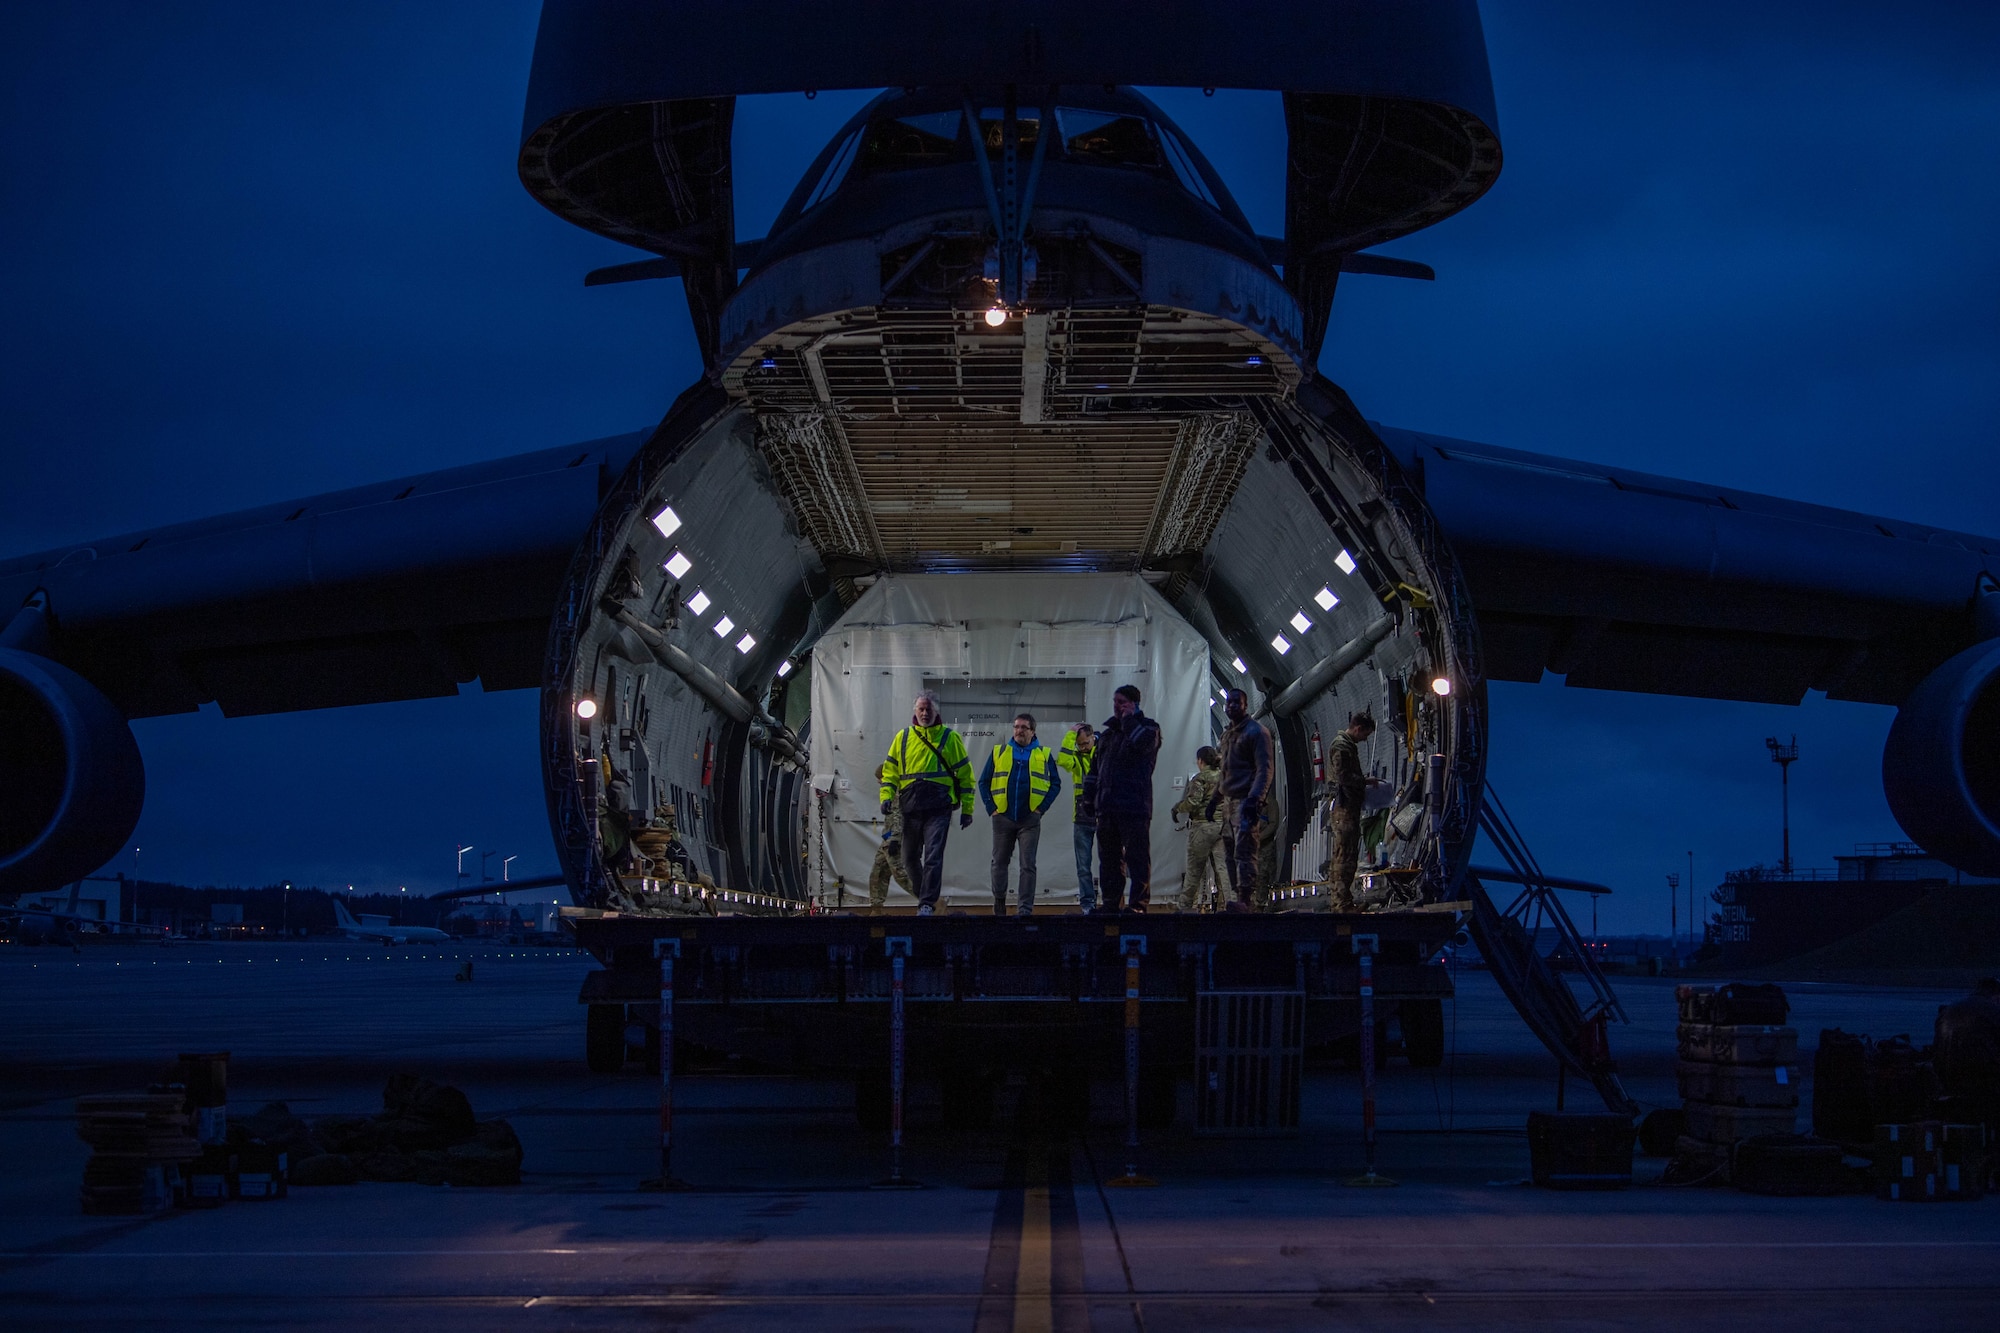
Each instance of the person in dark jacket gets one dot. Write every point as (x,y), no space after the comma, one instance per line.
(1118,794)
(1246,781)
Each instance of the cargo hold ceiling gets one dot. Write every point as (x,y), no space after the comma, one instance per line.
(1096,439)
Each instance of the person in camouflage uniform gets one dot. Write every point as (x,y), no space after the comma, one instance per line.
(1205,861)
(888,857)
(1350,788)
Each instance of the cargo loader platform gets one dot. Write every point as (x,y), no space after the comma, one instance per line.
(988,997)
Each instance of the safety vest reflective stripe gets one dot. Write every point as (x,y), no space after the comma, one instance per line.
(913,759)
(1040,768)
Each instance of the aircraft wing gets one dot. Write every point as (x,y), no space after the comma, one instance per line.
(1625,581)
(399,590)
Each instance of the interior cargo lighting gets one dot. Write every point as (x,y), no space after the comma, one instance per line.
(1327,601)
(1441,685)
(1281,643)
(1241,670)
(1300,623)
(667,521)
(678,565)
(784,668)
(699,602)
(996,317)
(1253,360)
(1346,562)
(745,644)
(723,626)
(586,708)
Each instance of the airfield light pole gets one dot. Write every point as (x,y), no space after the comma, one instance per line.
(505,863)
(461,861)
(1673,916)
(1784,756)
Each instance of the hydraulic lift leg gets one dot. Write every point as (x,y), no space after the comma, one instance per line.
(1134,948)
(1364,949)
(666,951)
(898,949)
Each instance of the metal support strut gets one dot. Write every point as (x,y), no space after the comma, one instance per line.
(898,949)
(1133,947)
(665,951)
(1365,947)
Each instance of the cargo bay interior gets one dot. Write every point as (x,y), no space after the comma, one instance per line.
(721,650)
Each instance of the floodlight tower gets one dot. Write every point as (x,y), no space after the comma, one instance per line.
(1784,756)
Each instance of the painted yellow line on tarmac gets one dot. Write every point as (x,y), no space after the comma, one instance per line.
(1034,1309)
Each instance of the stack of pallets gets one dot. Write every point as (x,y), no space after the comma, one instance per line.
(1739,1070)
(138,1142)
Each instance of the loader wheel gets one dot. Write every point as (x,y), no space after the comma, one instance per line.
(604,1038)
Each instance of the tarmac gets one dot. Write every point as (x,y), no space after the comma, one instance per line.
(1014,1230)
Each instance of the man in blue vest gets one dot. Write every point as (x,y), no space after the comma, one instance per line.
(1017,785)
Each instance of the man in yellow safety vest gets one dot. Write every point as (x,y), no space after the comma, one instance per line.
(926,774)
(1017,785)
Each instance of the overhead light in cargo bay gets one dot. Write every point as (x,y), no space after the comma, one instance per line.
(1441,685)
(699,602)
(784,668)
(1327,601)
(678,565)
(667,521)
(723,626)
(745,644)
(996,317)
(1300,623)
(586,708)
(1237,662)
(1281,643)
(1346,562)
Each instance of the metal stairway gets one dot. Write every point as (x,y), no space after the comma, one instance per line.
(1572,1029)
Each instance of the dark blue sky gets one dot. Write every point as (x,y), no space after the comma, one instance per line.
(254,251)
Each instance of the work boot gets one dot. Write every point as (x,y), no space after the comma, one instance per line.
(1103,909)
(1239,905)
(923,909)
(999,907)
(1026,911)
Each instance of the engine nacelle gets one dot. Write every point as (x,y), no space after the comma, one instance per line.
(71,780)
(1941,767)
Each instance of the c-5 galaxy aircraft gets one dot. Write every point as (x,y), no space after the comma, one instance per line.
(1010,322)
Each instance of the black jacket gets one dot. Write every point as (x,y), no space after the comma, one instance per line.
(1246,760)
(1121,770)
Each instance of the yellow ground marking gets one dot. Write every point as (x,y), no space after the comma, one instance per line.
(1034,1310)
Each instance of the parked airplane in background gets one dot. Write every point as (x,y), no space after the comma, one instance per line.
(377,930)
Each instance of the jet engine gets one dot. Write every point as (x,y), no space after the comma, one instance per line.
(71,780)
(1941,767)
